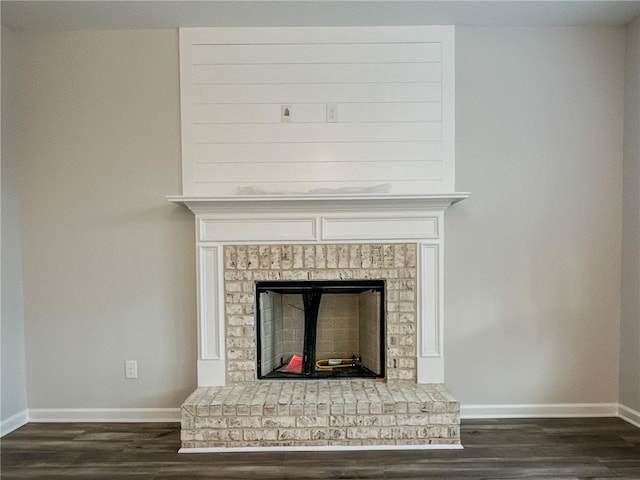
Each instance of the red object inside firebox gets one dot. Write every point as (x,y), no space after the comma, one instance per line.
(294,365)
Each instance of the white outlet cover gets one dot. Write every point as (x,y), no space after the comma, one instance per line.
(130,369)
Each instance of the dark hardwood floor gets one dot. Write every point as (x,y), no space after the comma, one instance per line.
(566,449)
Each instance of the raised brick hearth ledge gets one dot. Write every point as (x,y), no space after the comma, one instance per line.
(314,414)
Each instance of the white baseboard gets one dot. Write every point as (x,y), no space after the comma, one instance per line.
(540,410)
(14,422)
(50,415)
(550,410)
(629,415)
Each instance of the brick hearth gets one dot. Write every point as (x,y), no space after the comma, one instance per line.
(353,413)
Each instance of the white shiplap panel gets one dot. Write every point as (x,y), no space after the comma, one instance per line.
(393,87)
(318,132)
(318,93)
(253,113)
(316,53)
(295,187)
(390,112)
(317,152)
(315,171)
(317,112)
(312,73)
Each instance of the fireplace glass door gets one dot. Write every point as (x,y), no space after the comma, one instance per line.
(320,329)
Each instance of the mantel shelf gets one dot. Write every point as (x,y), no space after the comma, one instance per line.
(293,203)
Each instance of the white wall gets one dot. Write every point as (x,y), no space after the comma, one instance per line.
(13,375)
(532,258)
(532,274)
(630,319)
(109,269)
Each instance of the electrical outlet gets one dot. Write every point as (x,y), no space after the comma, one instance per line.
(130,369)
(332,112)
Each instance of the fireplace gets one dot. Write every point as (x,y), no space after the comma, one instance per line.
(350,187)
(320,329)
(281,277)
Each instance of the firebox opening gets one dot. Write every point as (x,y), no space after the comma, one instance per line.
(320,329)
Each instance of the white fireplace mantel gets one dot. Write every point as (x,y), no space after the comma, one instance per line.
(332,202)
(319,219)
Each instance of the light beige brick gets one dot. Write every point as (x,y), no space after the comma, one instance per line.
(202,410)
(365,256)
(230,257)
(286,257)
(264,257)
(244,422)
(298,257)
(376,256)
(260,434)
(355,256)
(253,257)
(319,434)
(387,256)
(233,309)
(363,432)
(235,377)
(399,255)
(279,422)
(294,434)
(321,256)
(411,252)
(312,421)
(309,256)
(332,256)
(275,258)
(241,257)
(343,256)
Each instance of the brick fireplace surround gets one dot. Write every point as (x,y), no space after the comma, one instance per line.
(395,263)
(396,240)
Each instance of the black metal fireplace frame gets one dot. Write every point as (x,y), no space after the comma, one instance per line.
(312,291)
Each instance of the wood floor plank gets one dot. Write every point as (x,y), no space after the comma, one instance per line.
(509,449)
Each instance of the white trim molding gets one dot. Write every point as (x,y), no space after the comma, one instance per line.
(430,324)
(211,333)
(540,410)
(132,415)
(468,412)
(379,227)
(629,415)
(258,229)
(320,448)
(211,328)
(14,422)
(303,203)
